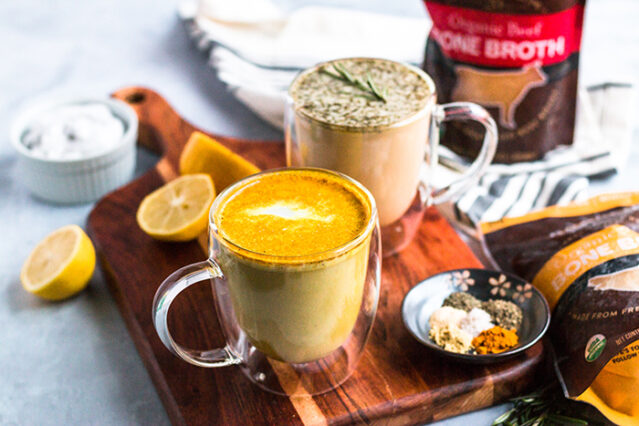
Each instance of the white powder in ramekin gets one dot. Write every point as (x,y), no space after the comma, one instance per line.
(73,131)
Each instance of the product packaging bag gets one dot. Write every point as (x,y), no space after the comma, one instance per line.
(517,58)
(584,258)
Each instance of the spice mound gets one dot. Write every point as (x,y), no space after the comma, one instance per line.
(495,340)
(464,301)
(475,322)
(445,316)
(465,324)
(451,338)
(504,313)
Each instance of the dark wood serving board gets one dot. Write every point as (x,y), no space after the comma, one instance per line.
(397,381)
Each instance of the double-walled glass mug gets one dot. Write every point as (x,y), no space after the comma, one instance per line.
(332,124)
(295,318)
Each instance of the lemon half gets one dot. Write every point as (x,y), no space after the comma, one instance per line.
(203,154)
(178,211)
(61,265)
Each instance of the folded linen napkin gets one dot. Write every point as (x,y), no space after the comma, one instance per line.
(257,49)
(259,53)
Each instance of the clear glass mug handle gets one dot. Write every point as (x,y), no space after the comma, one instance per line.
(462,111)
(172,286)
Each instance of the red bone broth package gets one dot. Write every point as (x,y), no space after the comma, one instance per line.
(584,258)
(517,58)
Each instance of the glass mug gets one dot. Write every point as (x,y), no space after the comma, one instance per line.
(294,325)
(394,161)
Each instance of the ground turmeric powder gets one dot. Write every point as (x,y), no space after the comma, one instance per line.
(495,340)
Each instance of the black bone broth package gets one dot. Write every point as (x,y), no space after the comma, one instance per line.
(518,59)
(584,258)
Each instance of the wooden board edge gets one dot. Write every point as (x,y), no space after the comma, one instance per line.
(145,352)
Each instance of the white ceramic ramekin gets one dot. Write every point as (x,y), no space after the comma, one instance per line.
(77,180)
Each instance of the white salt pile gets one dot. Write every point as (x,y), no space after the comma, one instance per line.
(446,316)
(476,321)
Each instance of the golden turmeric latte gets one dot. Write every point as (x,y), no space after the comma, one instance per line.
(295,255)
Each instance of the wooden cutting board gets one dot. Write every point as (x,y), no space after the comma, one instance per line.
(397,381)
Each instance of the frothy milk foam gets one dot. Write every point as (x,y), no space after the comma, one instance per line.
(293,213)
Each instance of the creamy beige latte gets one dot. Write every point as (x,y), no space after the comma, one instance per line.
(294,249)
(377,136)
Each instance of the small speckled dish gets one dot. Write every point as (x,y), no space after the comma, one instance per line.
(80,180)
(427,296)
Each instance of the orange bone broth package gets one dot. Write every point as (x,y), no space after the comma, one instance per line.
(584,258)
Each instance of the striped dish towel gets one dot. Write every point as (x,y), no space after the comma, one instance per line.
(257,49)
(603,132)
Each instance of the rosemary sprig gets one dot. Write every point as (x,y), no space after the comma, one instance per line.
(548,406)
(369,87)
(371,84)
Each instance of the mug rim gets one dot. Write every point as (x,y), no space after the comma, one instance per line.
(311,258)
(430,102)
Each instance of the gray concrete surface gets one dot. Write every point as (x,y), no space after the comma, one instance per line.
(74,362)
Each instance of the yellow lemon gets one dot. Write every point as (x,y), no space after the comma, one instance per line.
(61,265)
(178,211)
(203,154)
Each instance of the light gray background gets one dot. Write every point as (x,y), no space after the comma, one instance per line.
(74,362)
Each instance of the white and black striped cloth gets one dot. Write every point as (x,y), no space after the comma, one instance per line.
(258,60)
(603,132)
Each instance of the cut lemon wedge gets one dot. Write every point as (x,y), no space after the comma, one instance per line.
(203,154)
(178,211)
(61,265)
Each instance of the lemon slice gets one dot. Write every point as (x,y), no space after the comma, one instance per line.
(178,211)
(60,265)
(203,154)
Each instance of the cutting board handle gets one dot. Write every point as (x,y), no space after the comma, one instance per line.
(165,132)
(161,129)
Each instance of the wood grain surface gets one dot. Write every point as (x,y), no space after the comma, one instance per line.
(397,381)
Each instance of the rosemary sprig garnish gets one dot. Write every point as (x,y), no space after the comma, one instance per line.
(369,87)
(548,406)
(379,93)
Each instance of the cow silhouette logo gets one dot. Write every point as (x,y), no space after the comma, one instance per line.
(624,280)
(502,89)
